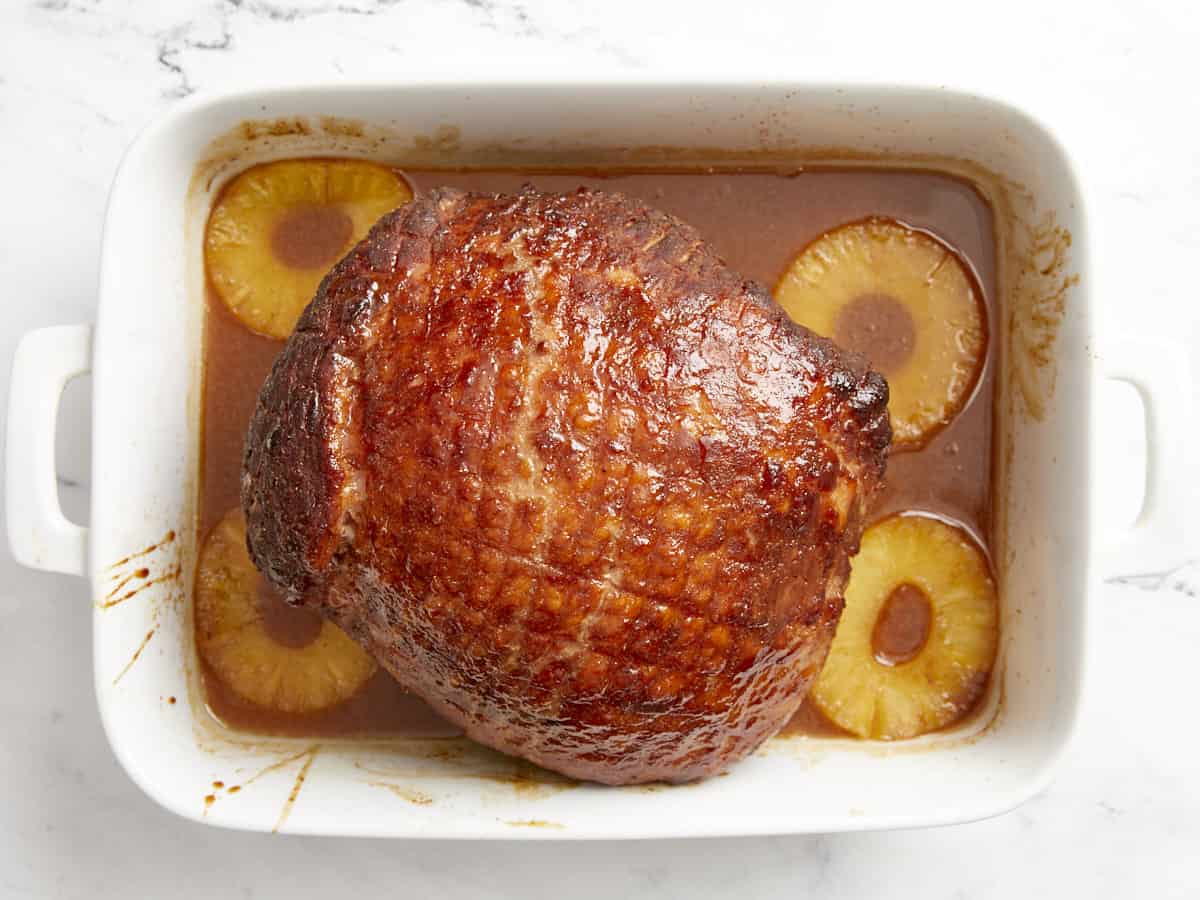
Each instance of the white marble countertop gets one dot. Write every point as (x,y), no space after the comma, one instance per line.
(78,78)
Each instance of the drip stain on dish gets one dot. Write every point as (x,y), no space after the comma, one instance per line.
(166,539)
(136,655)
(255,129)
(112,600)
(158,565)
(141,573)
(444,140)
(534,823)
(301,776)
(472,762)
(404,793)
(338,127)
(305,757)
(1037,311)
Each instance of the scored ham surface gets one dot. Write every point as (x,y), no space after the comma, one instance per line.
(568,477)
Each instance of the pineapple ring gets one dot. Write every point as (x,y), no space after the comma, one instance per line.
(232,639)
(903,299)
(279,227)
(946,672)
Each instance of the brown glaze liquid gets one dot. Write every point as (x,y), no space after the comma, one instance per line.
(311,236)
(879,327)
(902,627)
(757,221)
(286,625)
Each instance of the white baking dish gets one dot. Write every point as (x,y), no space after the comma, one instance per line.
(145,361)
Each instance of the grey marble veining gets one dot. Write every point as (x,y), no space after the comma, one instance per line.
(1183,579)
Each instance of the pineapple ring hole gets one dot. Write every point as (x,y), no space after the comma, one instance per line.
(879,327)
(287,625)
(903,625)
(311,237)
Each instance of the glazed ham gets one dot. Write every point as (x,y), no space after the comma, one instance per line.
(569,478)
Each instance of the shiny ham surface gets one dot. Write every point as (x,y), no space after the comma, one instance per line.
(569,478)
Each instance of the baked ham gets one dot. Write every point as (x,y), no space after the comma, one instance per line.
(569,478)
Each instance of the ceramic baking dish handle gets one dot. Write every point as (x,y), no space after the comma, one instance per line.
(40,535)
(1164,535)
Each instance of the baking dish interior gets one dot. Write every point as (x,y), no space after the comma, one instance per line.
(148,383)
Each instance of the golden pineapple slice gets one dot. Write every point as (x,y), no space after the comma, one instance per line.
(905,301)
(236,640)
(917,639)
(279,227)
